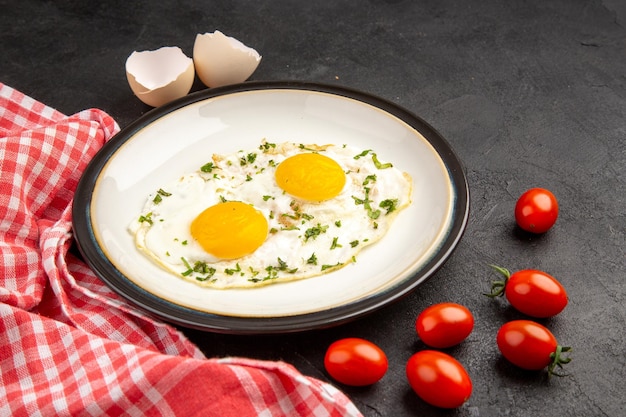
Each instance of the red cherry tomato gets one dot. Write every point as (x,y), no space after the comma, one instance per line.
(354,361)
(445,324)
(530,345)
(536,210)
(530,291)
(438,379)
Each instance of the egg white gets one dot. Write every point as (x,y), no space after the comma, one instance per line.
(306,239)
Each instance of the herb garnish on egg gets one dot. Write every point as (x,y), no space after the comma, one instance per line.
(335,245)
(372,214)
(326,266)
(147,218)
(248,159)
(314,232)
(330,202)
(159,196)
(389,204)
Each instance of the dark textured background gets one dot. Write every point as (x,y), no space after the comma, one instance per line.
(528,92)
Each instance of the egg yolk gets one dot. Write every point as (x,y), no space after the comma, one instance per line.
(230,230)
(311,176)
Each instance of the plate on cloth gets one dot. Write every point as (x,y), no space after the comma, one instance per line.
(179,137)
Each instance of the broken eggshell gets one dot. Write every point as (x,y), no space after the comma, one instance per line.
(223,60)
(160,76)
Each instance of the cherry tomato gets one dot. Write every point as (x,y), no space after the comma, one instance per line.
(354,361)
(536,210)
(530,345)
(438,379)
(530,291)
(445,324)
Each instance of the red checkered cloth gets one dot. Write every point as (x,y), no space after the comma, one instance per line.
(69,346)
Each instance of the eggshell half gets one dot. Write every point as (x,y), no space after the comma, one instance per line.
(223,60)
(160,76)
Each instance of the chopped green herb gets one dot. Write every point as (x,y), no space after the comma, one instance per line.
(338,223)
(159,196)
(380,165)
(304,148)
(208,167)
(314,232)
(248,159)
(362,154)
(354,243)
(372,214)
(335,245)
(312,260)
(267,197)
(325,267)
(189,270)
(369,178)
(201,267)
(265,147)
(248,178)
(146,218)
(282,266)
(231,271)
(389,204)
(272,273)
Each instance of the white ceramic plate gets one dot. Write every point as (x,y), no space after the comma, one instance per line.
(178,138)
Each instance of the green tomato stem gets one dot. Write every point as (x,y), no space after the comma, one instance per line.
(497,287)
(558,360)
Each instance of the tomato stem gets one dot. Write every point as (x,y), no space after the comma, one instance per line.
(558,360)
(497,287)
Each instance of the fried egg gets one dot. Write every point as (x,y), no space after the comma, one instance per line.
(276,213)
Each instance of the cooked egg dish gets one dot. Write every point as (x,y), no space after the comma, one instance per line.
(276,213)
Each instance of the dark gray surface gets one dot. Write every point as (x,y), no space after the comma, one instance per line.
(529,93)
